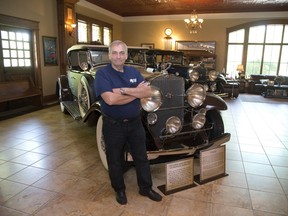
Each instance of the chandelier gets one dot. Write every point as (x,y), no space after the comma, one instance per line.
(193,23)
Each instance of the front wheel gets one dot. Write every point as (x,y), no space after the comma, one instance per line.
(101,142)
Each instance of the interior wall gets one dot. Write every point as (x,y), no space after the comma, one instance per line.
(44,12)
(135,33)
(117,25)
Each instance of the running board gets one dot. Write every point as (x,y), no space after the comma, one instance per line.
(73,109)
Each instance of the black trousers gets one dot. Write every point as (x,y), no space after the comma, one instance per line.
(117,134)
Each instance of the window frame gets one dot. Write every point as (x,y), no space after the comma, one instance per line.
(90,21)
(245,44)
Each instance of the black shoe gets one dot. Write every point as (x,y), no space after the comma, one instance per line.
(121,197)
(151,194)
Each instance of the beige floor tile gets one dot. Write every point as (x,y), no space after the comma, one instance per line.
(281,172)
(231,196)
(259,169)
(28,158)
(263,183)
(234,166)
(10,154)
(28,175)
(269,202)
(284,184)
(185,207)
(49,163)
(278,160)
(58,157)
(234,179)
(65,205)
(29,200)
(223,210)
(11,212)
(255,158)
(9,189)
(7,169)
(28,145)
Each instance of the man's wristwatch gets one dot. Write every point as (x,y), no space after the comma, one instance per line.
(122,91)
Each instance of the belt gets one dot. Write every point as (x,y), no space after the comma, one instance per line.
(126,120)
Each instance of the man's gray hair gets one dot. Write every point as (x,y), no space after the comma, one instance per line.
(118,42)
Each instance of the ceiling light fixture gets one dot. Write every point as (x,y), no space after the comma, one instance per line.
(193,23)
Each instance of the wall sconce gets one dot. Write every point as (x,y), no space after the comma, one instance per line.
(168,39)
(71,28)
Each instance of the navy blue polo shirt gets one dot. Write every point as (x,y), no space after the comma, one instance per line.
(108,78)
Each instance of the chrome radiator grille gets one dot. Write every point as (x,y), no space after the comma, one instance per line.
(172,89)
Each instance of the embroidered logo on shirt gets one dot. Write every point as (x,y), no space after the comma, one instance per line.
(133,80)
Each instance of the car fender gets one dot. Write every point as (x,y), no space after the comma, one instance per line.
(214,101)
(63,89)
(94,111)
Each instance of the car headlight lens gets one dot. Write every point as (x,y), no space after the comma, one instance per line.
(213,75)
(213,87)
(173,125)
(206,87)
(193,75)
(84,66)
(196,95)
(152,118)
(198,121)
(153,103)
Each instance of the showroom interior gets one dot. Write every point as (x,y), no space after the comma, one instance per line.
(49,162)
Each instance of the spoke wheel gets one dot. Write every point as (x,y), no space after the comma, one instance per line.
(101,143)
(84,99)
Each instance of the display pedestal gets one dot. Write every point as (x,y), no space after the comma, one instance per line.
(212,165)
(179,176)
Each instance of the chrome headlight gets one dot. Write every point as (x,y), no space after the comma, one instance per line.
(198,121)
(153,103)
(84,66)
(213,87)
(152,118)
(196,95)
(173,125)
(193,74)
(213,75)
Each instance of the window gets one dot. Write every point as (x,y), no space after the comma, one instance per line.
(261,48)
(91,30)
(16,50)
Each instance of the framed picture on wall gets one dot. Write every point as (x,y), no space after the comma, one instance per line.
(148,45)
(50,51)
(209,46)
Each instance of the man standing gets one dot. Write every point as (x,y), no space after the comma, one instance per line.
(120,88)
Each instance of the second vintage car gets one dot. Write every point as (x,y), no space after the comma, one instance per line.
(179,122)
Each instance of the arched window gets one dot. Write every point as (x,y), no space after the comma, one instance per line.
(262,47)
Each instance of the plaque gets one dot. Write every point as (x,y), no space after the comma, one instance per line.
(212,164)
(179,176)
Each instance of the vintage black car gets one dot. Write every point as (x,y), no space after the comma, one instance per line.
(171,61)
(179,122)
(174,63)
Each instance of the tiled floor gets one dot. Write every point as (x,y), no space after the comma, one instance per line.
(49,165)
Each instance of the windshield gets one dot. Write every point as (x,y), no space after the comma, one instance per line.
(99,57)
(136,56)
